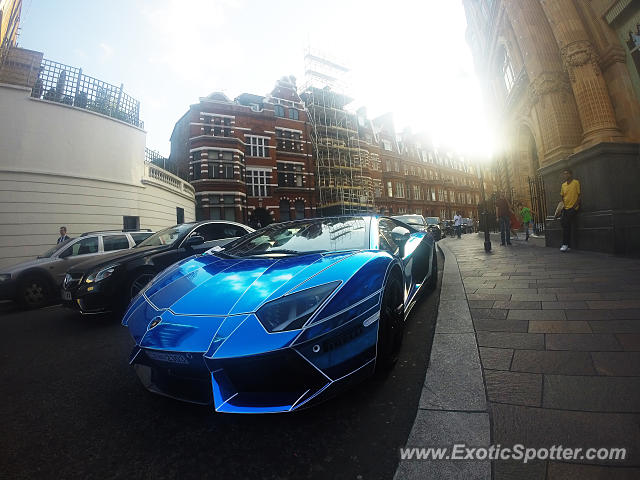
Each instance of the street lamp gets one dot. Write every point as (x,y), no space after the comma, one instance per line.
(485,215)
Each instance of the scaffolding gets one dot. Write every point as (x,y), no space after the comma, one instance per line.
(343,177)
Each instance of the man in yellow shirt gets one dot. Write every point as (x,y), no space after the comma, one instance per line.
(570,193)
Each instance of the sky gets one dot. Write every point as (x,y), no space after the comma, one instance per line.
(408,57)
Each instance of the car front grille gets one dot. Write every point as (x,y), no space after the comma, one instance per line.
(71,281)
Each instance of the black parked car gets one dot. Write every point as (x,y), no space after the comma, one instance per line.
(433,227)
(419,223)
(109,282)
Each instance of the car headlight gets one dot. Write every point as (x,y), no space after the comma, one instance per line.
(101,274)
(5,277)
(292,311)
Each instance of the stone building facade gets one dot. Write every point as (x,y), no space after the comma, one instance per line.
(561,81)
(249,159)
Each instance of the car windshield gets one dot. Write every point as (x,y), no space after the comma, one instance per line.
(52,250)
(166,236)
(432,221)
(411,219)
(314,235)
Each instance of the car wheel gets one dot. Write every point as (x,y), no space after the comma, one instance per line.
(433,279)
(34,292)
(391,325)
(138,282)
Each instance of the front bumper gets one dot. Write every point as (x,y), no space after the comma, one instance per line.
(8,289)
(92,298)
(274,382)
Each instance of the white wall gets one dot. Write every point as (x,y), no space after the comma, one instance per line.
(61,165)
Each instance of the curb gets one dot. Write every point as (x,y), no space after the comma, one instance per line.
(453,405)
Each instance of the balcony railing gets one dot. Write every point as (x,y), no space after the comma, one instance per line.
(61,83)
(157,175)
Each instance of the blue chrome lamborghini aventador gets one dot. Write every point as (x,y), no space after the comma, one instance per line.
(283,317)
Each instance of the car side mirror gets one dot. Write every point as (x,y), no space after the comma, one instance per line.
(400,235)
(193,241)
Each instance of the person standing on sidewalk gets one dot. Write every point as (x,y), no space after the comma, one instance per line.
(525,213)
(63,235)
(457,222)
(503,212)
(570,193)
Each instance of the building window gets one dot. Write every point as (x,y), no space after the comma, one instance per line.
(389,190)
(293,114)
(299,209)
(257,181)
(130,223)
(285,210)
(377,188)
(220,170)
(633,44)
(197,171)
(257,146)
(289,175)
(417,192)
(507,71)
(278,111)
(221,207)
(399,190)
(179,215)
(386,144)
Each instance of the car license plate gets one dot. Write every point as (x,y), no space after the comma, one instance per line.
(169,357)
(66,295)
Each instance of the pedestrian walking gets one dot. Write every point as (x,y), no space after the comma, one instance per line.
(457,223)
(63,235)
(526,214)
(570,193)
(503,212)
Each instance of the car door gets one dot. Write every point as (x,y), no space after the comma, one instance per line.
(79,251)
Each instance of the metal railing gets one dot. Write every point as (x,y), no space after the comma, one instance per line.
(64,84)
(538,203)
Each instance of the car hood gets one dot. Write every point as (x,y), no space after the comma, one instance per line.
(115,257)
(210,285)
(19,267)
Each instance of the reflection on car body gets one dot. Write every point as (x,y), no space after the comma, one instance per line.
(283,317)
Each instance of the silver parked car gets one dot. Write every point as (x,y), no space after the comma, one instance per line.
(35,282)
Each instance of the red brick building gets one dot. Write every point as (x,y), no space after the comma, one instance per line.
(259,159)
(249,159)
(414,177)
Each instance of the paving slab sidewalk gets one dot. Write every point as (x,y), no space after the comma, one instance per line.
(453,406)
(559,342)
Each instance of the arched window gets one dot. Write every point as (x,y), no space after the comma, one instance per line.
(278,111)
(506,69)
(293,114)
(299,209)
(285,210)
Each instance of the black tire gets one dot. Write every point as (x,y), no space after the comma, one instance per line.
(138,281)
(432,282)
(34,291)
(391,325)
